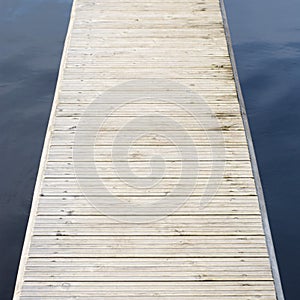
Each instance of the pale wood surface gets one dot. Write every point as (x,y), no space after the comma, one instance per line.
(71,250)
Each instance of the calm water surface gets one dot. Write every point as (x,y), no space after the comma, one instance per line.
(266,39)
(31,40)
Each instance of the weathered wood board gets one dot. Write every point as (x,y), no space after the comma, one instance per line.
(147,188)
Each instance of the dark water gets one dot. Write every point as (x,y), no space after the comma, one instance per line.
(266,38)
(31,40)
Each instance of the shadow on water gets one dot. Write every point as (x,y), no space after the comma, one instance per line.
(266,39)
(31,41)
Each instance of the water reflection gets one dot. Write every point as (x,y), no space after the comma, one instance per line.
(31,40)
(266,38)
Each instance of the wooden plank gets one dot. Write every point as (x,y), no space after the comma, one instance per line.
(60,138)
(115,186)
(78,205)
(87,97)
(246,289)
(106,170)
(91,225)
(130,110)
(146,269)
(169,269)
(224,123)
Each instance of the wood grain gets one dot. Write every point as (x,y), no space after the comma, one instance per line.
(205,249)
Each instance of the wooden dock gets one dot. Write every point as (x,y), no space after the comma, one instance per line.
(148,185)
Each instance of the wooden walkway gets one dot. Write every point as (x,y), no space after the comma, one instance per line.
(148,185)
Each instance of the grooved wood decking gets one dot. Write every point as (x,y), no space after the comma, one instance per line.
(212,250)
